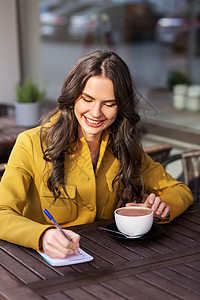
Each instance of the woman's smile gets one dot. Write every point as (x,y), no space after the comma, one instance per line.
(93,123)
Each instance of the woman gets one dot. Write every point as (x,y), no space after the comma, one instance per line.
(84,161)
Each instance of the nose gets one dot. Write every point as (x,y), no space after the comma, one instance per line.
(96,110)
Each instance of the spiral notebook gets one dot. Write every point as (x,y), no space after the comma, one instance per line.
(76,258)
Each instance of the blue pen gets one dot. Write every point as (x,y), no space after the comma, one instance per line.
(57,225)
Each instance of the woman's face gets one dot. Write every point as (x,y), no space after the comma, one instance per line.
(96,108)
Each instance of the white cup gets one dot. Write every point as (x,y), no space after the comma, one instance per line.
(134,221)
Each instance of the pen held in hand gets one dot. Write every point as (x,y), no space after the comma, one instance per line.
(57,225)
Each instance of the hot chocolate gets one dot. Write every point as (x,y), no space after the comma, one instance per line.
(134,212)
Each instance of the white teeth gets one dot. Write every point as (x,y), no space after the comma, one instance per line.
(93,122)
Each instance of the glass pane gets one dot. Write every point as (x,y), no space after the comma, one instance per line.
(152,37)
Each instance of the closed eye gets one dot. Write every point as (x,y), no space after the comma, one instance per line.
(110,104)
(87,100)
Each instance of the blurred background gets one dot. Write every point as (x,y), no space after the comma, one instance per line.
(158,39)
(154,37)
(44,38)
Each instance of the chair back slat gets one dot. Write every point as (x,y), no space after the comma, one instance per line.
(191,172)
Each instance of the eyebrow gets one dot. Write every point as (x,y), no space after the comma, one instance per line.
(85,94)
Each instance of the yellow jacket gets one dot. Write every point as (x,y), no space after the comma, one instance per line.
(24,194)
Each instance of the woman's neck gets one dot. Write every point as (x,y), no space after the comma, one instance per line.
(93,142)
(94,147)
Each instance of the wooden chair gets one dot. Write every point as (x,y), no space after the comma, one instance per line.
(159,152)
(3,109)
(191,170)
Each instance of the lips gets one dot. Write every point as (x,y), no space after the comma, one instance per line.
(93,123)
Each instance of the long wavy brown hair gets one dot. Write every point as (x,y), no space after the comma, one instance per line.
(57,139)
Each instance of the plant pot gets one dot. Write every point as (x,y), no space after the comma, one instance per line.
(27,114)
(193,98)
(179,96)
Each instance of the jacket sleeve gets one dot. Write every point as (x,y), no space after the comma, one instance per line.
(14,187)
(175,193)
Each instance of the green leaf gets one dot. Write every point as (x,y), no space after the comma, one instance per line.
(29,92)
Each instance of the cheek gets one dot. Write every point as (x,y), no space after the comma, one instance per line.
(112,115)
(79,108)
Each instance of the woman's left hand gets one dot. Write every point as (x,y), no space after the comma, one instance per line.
(160,208)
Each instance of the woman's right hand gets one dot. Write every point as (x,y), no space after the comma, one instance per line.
(55,244)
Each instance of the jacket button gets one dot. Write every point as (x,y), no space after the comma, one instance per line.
(90,207)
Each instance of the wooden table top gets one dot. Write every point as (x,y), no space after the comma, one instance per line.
(9,131)
(164,266)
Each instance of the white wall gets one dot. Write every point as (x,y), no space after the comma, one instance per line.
(9,56)
(30,39)
(12,68)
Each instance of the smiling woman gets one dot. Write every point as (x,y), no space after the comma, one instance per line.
(83,162)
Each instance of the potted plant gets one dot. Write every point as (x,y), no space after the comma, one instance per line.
(29,98)
(177,77)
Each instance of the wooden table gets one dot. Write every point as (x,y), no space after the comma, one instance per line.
(9,131)
(166,266)
(8,134)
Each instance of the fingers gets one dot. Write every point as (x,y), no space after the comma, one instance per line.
(159,207)
(130,204)
(74,237)
(55,244)
(144,198)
